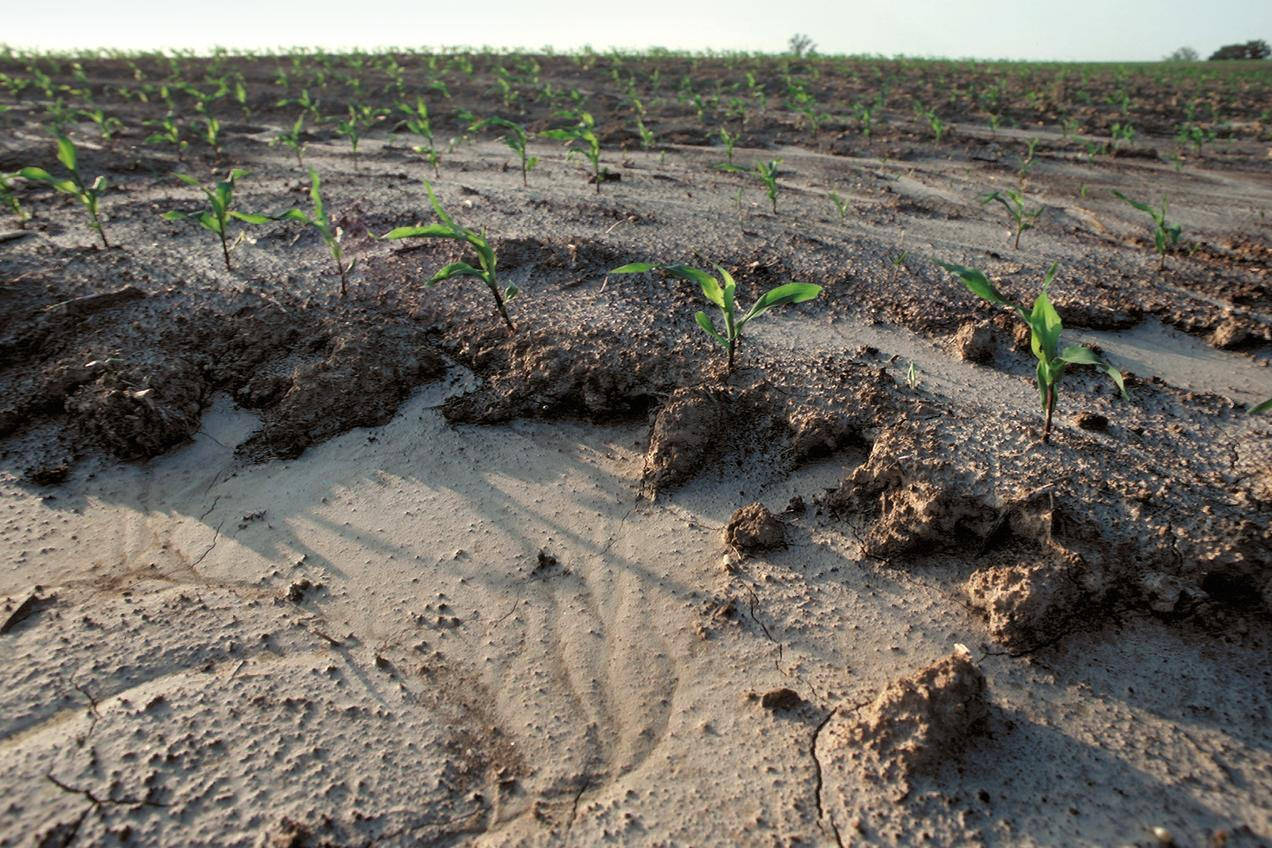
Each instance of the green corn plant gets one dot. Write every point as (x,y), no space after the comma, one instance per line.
(168,133)
(107,125)
(938,127)
(477,241)
(1014,202)
(1195,135)
(292,139)
(515,136)
(9,198)
(723,297)
(360,119)
(729,140)
(767,172)
(1165,235)
(1026,164)
(212,134)
(88,194)
(585,133)
(308,105)
(1044,337)
(1260,408)
(219,212)
(320,221)
(1121,134)
(417,121)
(841,205)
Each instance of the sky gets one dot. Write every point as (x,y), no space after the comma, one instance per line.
(1079,30)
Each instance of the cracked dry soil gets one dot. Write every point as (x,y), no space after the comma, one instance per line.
(282,568)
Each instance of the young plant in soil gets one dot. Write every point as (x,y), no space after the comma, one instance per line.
(355,126)
(485,254)
(585,133)
(319,220)
(1260,408)
(767,172)
(723,297)
(87,194)
(9,198)
(168,133)
(515,136)
(841,205)
(1044,337)
(1165,236)
(417,121)
(107,125)
(1014,202)
(220,209)
(291,138)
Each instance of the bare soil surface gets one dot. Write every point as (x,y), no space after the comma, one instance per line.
(281,567)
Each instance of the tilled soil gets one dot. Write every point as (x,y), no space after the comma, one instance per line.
(286,567)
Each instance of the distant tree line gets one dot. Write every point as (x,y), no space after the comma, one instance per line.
(1257,49)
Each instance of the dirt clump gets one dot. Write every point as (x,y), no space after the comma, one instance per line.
(1029,603)
(754,528)
(917,722)
(137,413)
(686,432)
(360,383)
(975,342)
(593,373)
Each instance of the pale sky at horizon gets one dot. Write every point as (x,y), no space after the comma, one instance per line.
(1078,30)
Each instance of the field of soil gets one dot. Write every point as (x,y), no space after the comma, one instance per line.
(283,567)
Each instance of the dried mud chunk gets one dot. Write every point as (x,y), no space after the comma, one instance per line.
(1027,604)
(754,528)
(1229,334)
(781,700)
(685,435)
(135,417)
(921,516)
(360,384)
(918,722)
(594,373)
(815,433)
(974,342)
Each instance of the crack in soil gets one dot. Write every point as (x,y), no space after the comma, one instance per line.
(812,749)
(215,537)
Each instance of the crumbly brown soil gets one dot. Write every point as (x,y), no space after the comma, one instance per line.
(378,569)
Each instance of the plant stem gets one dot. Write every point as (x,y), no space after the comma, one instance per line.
(1051,403)
(503,311)
(732,345)
(225,251)
(1017,244)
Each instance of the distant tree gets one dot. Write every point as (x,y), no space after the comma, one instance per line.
(802,45)
(1257,49)
(1183,54)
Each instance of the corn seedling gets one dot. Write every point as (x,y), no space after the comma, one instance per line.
(292,138)
(723,297)
(168,133)
(1044,337)
(1121,134)
(359,120)
(212,134)
(417,121)
(319,220)
(485,254)
(1026,164)
(87,194)
(9,198)
(729,140)
(585,132)
(219,211)
(1014,203)
(515,136)
(1165,236)
(767,172)
(1195,135)
(107,125)
(1260,408)
(841,206)
(912,377)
